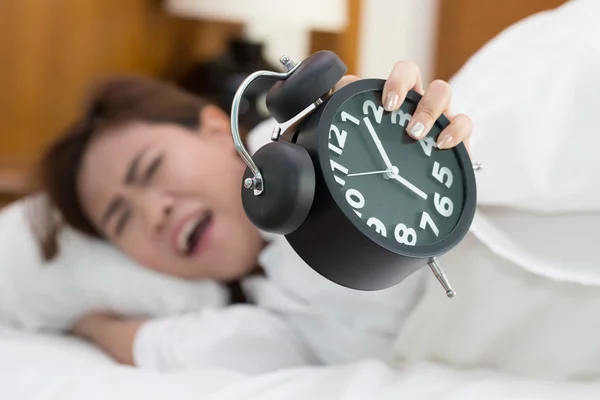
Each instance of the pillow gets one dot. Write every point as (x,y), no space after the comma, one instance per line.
(532,94)
(88,275)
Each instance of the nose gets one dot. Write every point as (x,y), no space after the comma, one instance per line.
(157,208)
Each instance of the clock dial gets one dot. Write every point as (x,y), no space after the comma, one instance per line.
(407,192)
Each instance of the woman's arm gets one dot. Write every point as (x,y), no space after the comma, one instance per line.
(112,335)
(242,338)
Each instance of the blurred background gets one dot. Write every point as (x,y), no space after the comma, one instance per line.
(51,50)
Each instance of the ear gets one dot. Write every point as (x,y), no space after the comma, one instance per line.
(214,123)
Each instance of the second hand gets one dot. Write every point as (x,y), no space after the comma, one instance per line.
(376,172)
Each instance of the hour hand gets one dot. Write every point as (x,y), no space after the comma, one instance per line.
(380,148)
(409,185)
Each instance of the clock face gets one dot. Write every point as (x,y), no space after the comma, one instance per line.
(406,194)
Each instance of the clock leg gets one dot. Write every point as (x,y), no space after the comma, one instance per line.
(441,277)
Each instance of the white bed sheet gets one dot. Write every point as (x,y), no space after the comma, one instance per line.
(58,368)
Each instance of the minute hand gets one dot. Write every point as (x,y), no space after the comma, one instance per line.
(375,138)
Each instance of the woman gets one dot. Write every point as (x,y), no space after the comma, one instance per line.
(154,171)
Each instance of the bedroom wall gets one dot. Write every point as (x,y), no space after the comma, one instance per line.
(392,30)
(440,35)
(50,49)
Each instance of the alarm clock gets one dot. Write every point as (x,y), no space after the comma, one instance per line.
(359,200)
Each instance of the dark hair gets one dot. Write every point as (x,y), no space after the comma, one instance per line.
(116,101)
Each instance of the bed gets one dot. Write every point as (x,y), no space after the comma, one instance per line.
(58,368)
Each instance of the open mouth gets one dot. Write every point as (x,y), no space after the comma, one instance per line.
(192,233)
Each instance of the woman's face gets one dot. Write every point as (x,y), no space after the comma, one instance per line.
(170,198)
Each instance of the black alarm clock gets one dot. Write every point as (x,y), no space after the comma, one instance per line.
(359,200)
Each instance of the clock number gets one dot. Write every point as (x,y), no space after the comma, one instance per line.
(427,144)
(439,174)
(444,205)
(355,198)
(377,112)
(335,166)
(348,117)
(404,117)
(405,235)
(378,225)
(427,220)
(340,138)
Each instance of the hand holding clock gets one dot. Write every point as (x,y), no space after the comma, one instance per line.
(405,75)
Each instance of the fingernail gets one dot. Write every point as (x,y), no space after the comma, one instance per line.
(417,130)
(391,101)
(444,142)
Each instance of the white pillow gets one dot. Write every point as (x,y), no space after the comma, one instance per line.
(532,93)
(88,275)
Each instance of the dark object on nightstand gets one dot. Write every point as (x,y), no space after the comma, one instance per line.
(218,80)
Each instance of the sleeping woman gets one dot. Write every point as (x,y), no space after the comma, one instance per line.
(154,171)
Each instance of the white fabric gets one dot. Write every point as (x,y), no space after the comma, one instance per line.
(533,95)
(243,338)
(505,318)
(52,368)
(49,367)
(528,278)
(89,275)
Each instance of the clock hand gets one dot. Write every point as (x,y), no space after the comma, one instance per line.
(382,152)
(370,173)
(392,171)
(409,185)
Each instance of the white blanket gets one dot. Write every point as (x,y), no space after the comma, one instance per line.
(57,368)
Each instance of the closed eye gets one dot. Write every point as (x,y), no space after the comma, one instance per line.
(152,168)
(122,221)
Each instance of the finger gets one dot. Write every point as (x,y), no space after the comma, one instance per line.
(448,113)
(459,130)
(404,76)
(435,100)
(346,79)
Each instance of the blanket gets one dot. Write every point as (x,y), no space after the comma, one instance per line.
(58,368)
